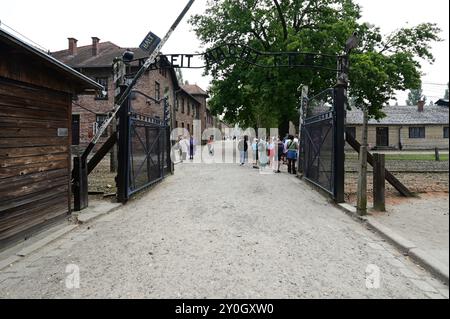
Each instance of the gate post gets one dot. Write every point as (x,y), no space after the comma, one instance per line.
(302,111)
(340,98)
(379,200)
(80,185)
(122,179)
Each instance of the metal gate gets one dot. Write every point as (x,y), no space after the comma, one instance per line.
(144,151)
(322,146)
(147,152)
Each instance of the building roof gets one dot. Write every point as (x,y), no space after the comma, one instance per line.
(194,89)
(188,94)
(49,61)
(107,52)
(442,102)
(404,115)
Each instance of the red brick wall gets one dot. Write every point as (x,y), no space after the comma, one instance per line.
(187,116)
(140,104)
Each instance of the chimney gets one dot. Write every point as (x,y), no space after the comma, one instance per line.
(73,46)
(95,42)
(420,105)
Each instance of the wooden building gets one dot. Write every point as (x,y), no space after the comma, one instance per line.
(36,93)
(421,127)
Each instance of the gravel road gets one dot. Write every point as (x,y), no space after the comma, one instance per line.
(221,231)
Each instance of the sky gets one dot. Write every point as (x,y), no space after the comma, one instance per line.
(49,23)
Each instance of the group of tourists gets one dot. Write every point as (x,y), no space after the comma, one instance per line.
(267,152)
(271,152)
(186,146)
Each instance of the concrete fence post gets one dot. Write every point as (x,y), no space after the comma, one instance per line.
(436,154)
(362,182)
(379,185)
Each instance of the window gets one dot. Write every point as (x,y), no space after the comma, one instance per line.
(177,104)
(417,132)
(75,129)
(351,131)
(182,125)
(189,128)
(157,91)
(103,95)
(446,132)
(99,120)
(163,71)
(176,124)
(189,109)
(182,106)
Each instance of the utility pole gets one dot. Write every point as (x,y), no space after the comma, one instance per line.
(362,178)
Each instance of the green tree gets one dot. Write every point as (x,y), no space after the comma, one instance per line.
(415,96)
(264,97)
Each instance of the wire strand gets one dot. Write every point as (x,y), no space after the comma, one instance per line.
(40,47)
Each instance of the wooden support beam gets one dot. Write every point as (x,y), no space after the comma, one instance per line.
(402,189)
(102,152)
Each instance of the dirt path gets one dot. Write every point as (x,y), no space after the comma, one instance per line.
(221,231)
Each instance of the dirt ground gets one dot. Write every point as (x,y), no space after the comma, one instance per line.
(436,184)
(102,180)
(222,231)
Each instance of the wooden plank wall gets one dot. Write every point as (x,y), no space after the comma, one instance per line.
(34,161)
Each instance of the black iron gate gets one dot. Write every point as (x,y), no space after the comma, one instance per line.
(147,152)
(322,145)
(144,151)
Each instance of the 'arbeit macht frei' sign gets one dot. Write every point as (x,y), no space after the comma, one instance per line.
(232,53)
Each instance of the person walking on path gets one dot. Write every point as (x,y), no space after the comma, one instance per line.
(279,155)
(255,151)
(271,151)
(191,148)
(262,150)
(292,153)
(243,150)
(184,145)
(211,146)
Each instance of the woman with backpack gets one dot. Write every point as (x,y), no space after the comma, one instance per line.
(279,155)
(292,153)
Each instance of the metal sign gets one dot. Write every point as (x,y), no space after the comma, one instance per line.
(63,132)
(150,42)
(234,52)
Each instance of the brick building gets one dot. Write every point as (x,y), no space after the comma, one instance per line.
(95,61)
(188,109)
(200,95)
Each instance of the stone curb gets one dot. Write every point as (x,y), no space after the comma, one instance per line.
(89,217)
(430,263)
(36,246)
(405,246)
